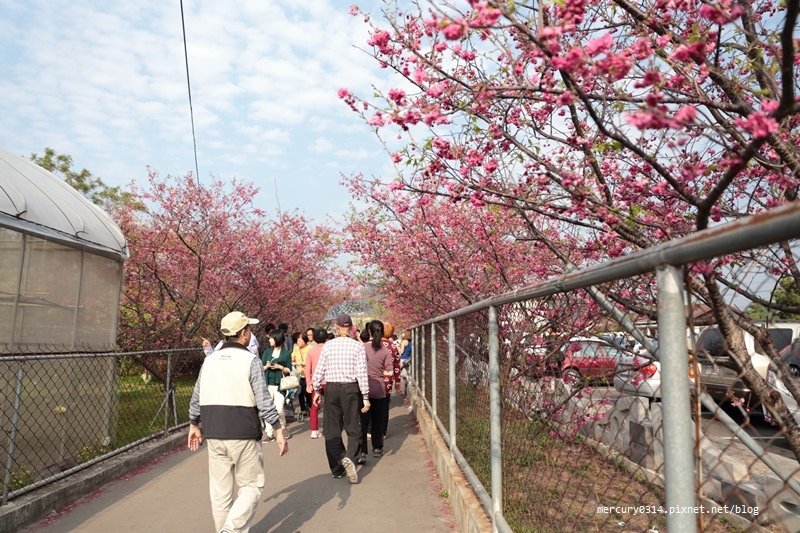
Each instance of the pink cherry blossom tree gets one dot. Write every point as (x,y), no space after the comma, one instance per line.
(621,125)
(198,252)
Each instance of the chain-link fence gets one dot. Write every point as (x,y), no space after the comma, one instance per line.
(62,412)
(622,397)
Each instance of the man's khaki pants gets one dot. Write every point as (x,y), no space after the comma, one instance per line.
(240,462)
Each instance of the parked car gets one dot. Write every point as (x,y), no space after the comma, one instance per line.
(791,356)
(621,340)
(588,359)
(718,371)
(639,374)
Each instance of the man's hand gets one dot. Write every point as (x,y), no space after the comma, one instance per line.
(195,437)
(309,389)
(366,406)
(280,440)
(317,398)
(397,387)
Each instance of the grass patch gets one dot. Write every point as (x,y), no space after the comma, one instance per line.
(553,482)
(140,412)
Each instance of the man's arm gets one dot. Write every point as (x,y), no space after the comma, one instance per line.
(195,438)
(266,407)
(361,370)
(194,403)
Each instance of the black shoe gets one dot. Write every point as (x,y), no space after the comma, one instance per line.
(362,459)
(377,452)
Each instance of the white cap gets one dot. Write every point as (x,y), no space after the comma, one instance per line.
(234,322)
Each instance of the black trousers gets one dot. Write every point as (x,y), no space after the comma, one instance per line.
(341,413)
(305,397)
(386,413)
(374,420)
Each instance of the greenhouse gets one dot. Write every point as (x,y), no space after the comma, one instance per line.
(61,271)
(61,264)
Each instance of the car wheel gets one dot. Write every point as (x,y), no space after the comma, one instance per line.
(572,377)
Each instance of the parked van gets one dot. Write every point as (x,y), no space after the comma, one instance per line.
(719,372)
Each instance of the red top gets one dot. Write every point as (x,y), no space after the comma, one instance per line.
(395,377)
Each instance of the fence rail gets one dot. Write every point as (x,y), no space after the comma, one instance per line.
(64,411)
(529,408)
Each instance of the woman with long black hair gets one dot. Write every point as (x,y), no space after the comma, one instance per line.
(277,362)
(379,364)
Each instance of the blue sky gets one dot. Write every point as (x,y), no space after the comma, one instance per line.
(105,82)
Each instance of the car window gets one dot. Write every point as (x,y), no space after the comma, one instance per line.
(588,349)
(614,353)
(792,352)
(712,343)
(780,337)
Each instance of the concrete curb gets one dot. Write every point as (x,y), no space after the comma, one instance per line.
(469,513)
(29,508)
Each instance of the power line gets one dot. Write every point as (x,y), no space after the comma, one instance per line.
(277,198)
(189,87)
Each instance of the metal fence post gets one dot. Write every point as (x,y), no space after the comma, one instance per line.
(494,416)
(167,403)
(678,444)
(415,356)
(451,373)
(433,371)
(422,364)
(12,436)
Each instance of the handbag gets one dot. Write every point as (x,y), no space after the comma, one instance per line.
(289,382)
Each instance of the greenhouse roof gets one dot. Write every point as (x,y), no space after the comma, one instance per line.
(37,202)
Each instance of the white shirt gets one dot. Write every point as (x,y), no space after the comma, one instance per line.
(252,347)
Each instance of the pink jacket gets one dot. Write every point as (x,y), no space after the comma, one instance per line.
(312,358)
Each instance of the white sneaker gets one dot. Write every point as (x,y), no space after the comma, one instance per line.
(350,470)
(314,434)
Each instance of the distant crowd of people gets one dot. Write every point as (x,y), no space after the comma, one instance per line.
(240,397)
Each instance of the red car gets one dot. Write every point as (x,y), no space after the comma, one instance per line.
(588,359)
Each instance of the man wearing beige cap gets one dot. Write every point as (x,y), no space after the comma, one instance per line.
(228,404)
(342,366)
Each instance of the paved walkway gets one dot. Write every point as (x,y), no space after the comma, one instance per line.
(398,492)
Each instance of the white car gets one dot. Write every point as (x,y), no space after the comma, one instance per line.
(639,374)
(791,355)
(643,382)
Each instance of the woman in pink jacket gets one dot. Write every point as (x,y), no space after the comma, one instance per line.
(312,358)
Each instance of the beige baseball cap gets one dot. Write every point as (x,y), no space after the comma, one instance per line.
(234,322)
